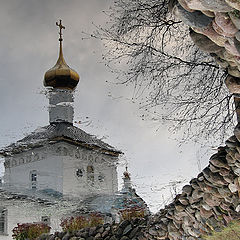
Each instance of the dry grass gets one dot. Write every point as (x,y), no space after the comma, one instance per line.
(231,232)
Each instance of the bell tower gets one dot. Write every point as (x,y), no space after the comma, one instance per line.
(61,81)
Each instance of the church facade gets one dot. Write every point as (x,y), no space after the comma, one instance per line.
(61,158)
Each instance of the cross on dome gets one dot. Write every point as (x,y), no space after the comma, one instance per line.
(60,29)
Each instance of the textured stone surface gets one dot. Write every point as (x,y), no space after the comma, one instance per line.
(193,19)
(204,43)
(234,4)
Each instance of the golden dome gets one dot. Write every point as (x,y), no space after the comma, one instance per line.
(61,75)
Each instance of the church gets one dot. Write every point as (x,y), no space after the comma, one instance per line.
(59,163)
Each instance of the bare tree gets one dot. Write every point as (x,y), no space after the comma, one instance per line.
(173,80)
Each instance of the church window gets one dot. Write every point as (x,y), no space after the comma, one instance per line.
(33,179)
(3,221)
(7,164)
(21,161)
(79,172)
(46,220)
(29,159)
(14,162)
(90,174)
(77,154)
(101,177)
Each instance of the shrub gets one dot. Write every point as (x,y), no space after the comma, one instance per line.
(130,213)
(29,231)
(231,232)
(72,224)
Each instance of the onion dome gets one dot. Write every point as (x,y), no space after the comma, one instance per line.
(61,75)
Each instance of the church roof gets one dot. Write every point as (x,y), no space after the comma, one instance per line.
(55,133)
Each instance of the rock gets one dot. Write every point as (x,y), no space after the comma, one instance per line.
(228,56)
(235,20)
(208,13)
(234,72)
(196,5)
(105,233)
(133,232)
(124,238)
(233,85)
(216,5)
(127,229)
(231,48)
(193,19)
(224,172)
(232,187)
(237,35)
(187,189)
(98,236)
(212,34)
(92,231)
(90,238)
(234,4)
(44,236)
(204,43)
(211,200)
(196,194)
(124,223)
(219,161)
(232,144)
(179,207)
(221,62)
(230,160)
(205,213)
(236,44)
(206,206)
(229,178)
(213,168)
(113,238)
(171,4)
(223,21)
(67,236)
(183,200)
(185,6)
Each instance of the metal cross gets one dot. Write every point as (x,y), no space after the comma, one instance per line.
(60,27)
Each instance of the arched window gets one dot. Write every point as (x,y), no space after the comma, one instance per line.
(3,221)
(33,179)
(90,174)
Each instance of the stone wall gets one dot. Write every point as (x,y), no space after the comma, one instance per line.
(124,231)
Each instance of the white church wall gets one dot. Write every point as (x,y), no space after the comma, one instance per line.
(63,167)
(87,172)
(45,161)
(31,212)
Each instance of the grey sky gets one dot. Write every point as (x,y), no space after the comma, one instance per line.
(29,47)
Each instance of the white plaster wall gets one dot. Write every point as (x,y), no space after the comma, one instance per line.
(56,167)
(60,106)
(29,212)
(48,166)
(79,158)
